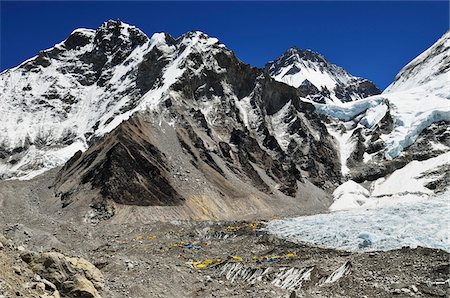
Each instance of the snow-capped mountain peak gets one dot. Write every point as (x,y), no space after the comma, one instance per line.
(297,55)
(317,78)
(67,96)
(432,66)
(113,35)
(84,87)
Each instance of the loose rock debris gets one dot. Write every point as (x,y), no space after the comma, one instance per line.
(189,259)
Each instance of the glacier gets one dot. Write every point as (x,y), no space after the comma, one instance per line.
(412,112)
(392,212)
(409,223)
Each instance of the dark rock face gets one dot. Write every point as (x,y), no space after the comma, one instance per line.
(440,184)
(130,169)
(275,95)
(373,171)
(112,44)
(150,71)
(362,87)
(421,149)
(357,155)
(125,167)
(138,167)
(283,170)
(266,98)
(437,133)
(77,40)
(308,90)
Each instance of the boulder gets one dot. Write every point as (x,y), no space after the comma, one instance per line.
(80,287)
(71,276)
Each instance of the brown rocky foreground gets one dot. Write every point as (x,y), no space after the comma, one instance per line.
(48,251)
(209,259)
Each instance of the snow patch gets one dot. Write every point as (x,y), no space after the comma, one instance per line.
(280,126)
(339,273)
(344,143)
(37,161)
(409,179)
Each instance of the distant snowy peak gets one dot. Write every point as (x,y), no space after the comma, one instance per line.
(318,79)
(432,66)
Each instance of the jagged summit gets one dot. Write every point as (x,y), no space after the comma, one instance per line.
(117,32)
(115,28)
(195,34)
(86,85)
(317,78)
(294,54)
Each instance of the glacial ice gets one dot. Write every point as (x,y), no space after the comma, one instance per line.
(419,223)
(349,195)
(419,96)
(349,110)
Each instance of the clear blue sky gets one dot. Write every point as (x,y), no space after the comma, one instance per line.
(369,39)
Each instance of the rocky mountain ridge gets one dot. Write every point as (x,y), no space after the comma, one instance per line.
(184,123)
(222,121)
(66,97)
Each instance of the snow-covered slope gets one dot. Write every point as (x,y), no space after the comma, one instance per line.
(318,79)
(430,67)
(414,182)
(412,112)
(419,97)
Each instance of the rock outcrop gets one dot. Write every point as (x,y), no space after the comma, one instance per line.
(46,274)
(72,276)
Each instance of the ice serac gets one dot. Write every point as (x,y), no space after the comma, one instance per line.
(408,121)
(392,226)
(317,79)
(399,141)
